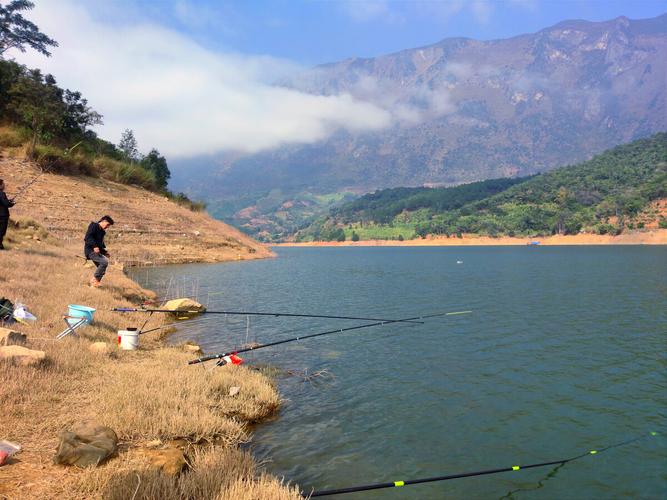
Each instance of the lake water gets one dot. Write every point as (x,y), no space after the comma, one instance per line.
(565,351)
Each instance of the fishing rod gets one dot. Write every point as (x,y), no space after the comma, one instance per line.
(398,484)
(246,313)
(141,332)
(44,171)
(339,330)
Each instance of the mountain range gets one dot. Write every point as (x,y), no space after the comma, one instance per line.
(624,188)
(464,110)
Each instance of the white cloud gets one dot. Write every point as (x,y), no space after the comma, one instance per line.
(182,98)
(409,105)
(482,11)
(368,10)
(461,70)
(442,10)
(530,5)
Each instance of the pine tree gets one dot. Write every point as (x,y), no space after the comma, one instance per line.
(128,145)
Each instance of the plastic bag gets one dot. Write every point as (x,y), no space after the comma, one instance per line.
(22,314)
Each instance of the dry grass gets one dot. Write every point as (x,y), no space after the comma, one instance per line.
(150,229)
(215,473)
(11,137)
(148,394)
(197,405)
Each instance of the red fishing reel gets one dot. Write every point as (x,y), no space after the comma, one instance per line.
(232,359)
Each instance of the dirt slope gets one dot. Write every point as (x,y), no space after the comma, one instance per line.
(149,228)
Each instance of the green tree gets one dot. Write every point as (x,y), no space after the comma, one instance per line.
(10,72)
(355,236)
(157,164)
(128,145)
(78,115)
(17,32)
(37,103)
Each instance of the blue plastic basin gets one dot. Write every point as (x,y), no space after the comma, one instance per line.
(83,312)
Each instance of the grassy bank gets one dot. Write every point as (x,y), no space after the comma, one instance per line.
(150,397)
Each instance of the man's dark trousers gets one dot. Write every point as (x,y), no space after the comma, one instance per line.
(4,222)
(101,262)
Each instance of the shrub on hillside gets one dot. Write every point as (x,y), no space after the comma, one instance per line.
(26,227)
(123,172)
(12,138)
(183,200)
(57,161)
(607,229)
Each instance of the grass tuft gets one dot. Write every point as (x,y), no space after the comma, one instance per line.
(216,473)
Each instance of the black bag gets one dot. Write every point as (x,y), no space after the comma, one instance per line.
(6,310)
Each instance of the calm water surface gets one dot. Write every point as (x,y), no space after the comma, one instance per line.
(566,351)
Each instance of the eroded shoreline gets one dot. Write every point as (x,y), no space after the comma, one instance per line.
(653,237)
(152,400)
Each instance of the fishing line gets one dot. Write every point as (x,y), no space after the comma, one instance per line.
(145,323)
(328,332)
(43,171)
(408,482)
(236,328)
(141,332)
(540,483)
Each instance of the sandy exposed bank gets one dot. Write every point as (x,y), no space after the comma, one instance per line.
(653,237)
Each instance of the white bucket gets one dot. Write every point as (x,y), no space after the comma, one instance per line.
(128,340)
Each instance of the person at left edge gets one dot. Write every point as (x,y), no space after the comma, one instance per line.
(5,205)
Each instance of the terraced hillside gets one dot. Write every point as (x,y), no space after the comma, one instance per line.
(149,228)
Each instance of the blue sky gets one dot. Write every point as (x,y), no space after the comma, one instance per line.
(317,31)
(196,77)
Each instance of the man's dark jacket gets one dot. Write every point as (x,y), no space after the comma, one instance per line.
(94,238)
(5,205)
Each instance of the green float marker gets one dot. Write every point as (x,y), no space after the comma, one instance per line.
(395,484)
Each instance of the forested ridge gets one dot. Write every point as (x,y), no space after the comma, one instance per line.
(608,194)
(53,125)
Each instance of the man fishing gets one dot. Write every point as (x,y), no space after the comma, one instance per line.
(5,205)
(95,249)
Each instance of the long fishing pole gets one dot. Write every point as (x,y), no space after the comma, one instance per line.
(248,313)
(141,332)
(44,170)
(339,330)
(398,484)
